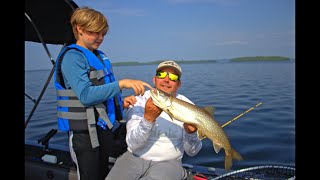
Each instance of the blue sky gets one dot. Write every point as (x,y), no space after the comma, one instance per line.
(150,30)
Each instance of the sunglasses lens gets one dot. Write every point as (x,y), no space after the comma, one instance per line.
(162,75)
(173,77)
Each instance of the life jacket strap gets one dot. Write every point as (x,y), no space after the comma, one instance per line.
(99,73)
(70,103)
(89,114)
(101,109)
(72,115)
(66,92)
(92,127)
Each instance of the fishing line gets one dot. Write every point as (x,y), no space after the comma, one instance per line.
(241,114)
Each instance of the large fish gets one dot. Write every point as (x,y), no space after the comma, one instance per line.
(202,118)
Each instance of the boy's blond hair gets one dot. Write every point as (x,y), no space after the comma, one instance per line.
(88,19)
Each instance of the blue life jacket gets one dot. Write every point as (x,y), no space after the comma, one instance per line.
(72,114)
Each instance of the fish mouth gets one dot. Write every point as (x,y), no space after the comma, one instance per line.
(154,92)
(158,91)
(158,97)
(155,96)
(158,94)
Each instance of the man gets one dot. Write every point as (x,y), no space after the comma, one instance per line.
(156,144)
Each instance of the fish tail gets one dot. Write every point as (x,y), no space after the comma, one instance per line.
(228,159)
(228,162)
(236,155)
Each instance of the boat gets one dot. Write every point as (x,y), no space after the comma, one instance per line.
(47,22)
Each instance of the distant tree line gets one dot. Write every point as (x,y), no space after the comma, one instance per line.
(260,58)
(239,59)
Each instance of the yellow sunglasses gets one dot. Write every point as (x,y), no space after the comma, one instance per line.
(162,75)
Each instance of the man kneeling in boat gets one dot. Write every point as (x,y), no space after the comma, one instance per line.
(156,144)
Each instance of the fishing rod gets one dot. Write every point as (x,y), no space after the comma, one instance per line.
(241,114)
(235,117)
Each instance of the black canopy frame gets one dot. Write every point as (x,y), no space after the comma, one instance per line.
(47,22)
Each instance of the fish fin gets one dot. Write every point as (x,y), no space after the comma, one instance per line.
(236,155)
(216,148)
(228,162)
(209,109)
(200,135)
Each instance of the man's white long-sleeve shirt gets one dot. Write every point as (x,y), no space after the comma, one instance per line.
(163,140)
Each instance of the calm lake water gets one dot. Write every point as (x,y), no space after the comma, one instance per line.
(263,136)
